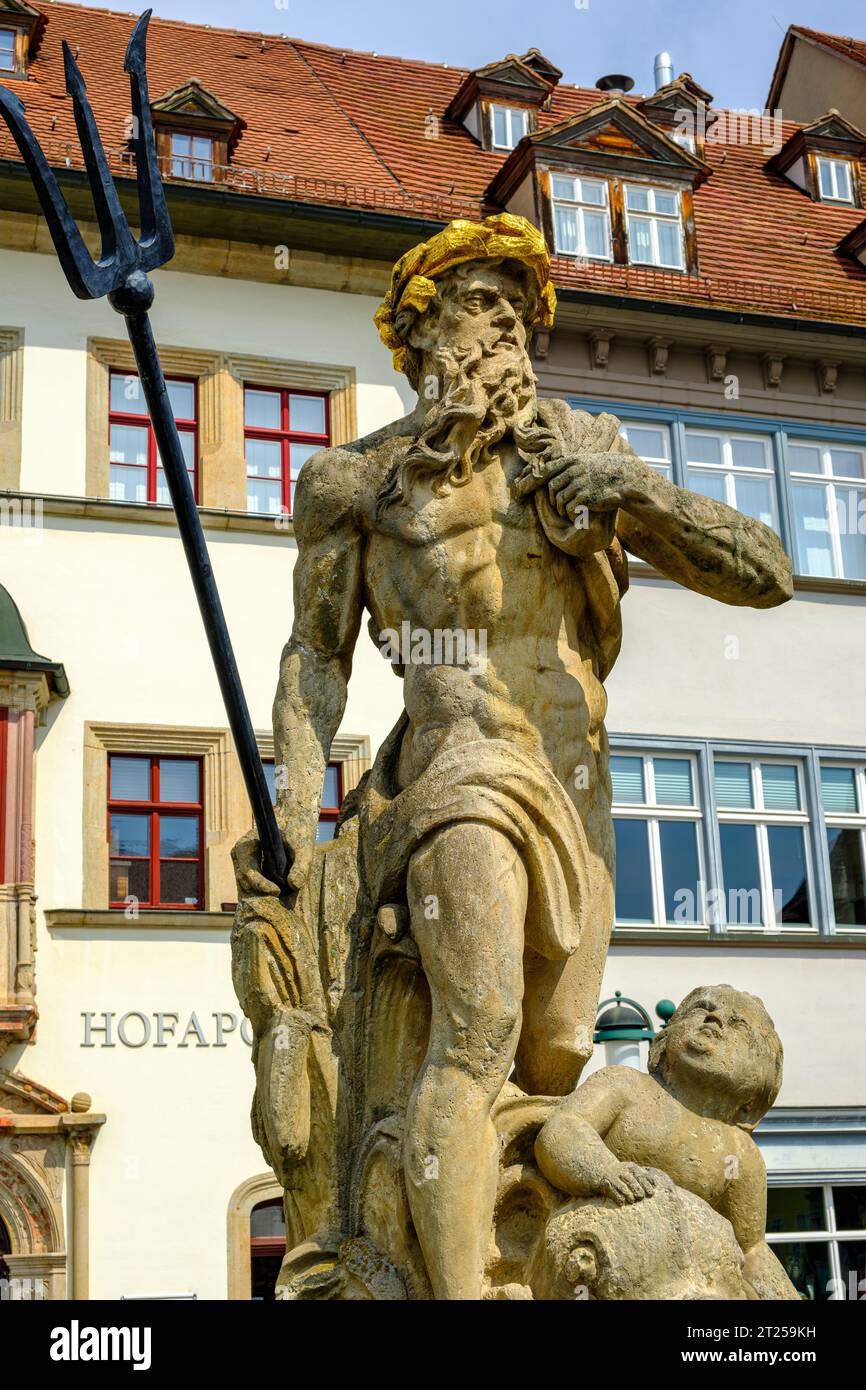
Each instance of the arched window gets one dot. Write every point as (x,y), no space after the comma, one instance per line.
(5,1248)
(267,1247)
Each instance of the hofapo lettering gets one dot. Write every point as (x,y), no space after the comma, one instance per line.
(136,1028)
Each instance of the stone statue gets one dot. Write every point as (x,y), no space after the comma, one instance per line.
(457,927)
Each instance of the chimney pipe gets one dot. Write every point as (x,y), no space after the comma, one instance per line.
(615,82)
(663,69)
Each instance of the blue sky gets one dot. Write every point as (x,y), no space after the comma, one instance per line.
(729,47)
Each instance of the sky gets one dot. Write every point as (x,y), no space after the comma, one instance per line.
(729,46)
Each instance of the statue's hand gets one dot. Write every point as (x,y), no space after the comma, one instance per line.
(599,482)
(299,838)
(629,1182)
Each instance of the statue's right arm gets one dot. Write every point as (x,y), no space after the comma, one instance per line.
(570,1148)
(317,660)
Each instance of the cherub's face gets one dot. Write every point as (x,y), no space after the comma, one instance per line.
(720,1036)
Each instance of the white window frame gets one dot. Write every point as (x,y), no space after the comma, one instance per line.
(578,204)
(846,820)
(731,471)
(662,463)
(834,168)
(192,161)
(654,218)
(514,116)
(830,481)
(758,816)
(653,811)
(830,1236)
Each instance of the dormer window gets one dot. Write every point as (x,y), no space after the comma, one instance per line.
(509,125)
(834,180)
(191,157)
(654,226)
(581,217)
(21,28)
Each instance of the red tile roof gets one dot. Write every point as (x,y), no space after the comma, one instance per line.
(849,48)
(338,127)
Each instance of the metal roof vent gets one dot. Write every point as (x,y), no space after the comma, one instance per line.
(663,69)
(615,82)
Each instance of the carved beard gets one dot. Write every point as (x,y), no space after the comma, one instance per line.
(485,393)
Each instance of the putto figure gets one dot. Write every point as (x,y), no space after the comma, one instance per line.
(482,839)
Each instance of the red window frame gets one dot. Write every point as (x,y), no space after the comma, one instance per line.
(154,808)
(4,735)
(326,813)
(285,436)
(142,421)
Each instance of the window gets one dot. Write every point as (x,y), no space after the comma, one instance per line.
(828,493)
(155,831)
(191,157)
(819,1235)
(281,430)
(763,837)
(332,797)
(651,442)
(843,792)
(267,1248)
(510,124)
(4,734)
(581,218)
(7,50)
(653,225)
(734,468)
(834,180)
(135,469)
(656,819)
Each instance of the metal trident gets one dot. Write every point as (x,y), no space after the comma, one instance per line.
(121,274)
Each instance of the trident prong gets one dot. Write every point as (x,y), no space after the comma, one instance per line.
(121,274)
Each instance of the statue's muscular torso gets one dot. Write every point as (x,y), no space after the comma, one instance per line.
(476,557)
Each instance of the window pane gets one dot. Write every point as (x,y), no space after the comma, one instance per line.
(825,178)
(130,779)
(180,144)
(298,455)
(128,444)
(754,497)
(850,1207)
(326,831)
(804,458)
(845,848)
(500,132)
(265,458)
(127,484)
(162,493)
(637,199)
(126,394)
(748,453)
(733,784)
(794,1209)
(807,1265)
(307,414)
(262,409)
(130,834)
(264,497)
(665,203)
(271,779)
(267,1219)
(673,779)
(839,789)
(680,872)
(331,788)
(593,192)
(788,867)
(846,463)
(634,899)
(181,395)
(179,881)
(708,484)
(128,878)
(649,442)
(566,229)
(640,240)
(741,877)
(703,448)
(852,1267)
(781,792)
(595,234)
(563,188)
(670,243)
(851,507)
(178,779)
(7,50)
(814,546)
(178,836)
(626,774)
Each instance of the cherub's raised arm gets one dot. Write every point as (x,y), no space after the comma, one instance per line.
(317,660)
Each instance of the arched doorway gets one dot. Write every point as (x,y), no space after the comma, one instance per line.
(267,1247)
(255,1215)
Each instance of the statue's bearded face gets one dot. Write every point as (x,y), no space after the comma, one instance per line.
(471,368)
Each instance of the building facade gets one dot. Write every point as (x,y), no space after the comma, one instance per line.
(711,295)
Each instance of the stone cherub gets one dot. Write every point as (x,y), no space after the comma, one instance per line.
(713,1074)
(484,833)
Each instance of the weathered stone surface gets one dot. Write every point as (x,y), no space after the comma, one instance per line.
(458,926)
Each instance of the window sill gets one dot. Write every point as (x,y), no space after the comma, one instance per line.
(152,919)
(803,583)
(699,936)
(153,514)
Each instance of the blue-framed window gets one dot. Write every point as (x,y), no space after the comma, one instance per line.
(807,482)
(738,837)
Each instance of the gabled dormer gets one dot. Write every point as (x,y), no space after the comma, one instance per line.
(20,29)
(606,185)
(823,158)
(498,104)
(681,108)
(195,133)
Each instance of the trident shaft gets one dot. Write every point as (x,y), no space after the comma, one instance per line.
(121,274)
